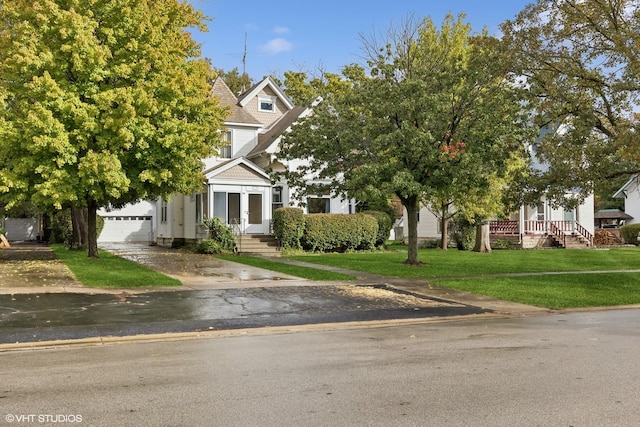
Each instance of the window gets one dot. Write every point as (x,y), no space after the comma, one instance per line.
(276,198)
(202,206)
(267,103)
(163,210)
(540,212)
(318,205)
(226,151)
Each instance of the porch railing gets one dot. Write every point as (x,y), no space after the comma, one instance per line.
(558,234)
(560,229)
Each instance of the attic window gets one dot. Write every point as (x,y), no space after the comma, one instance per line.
(267,103)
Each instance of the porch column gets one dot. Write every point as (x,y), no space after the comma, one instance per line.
(521,221)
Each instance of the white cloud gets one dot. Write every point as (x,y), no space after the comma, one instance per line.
(280,30)
(275,46)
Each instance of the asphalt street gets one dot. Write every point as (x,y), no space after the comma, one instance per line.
(558,370)
(36,317)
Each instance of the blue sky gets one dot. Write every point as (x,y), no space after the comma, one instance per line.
(299,35)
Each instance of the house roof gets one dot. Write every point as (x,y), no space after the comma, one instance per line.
(611,214)
(239,161)
(254,90)
(237,114)
(622,192)
(273,134)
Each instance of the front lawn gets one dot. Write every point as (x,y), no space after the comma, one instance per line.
(470,271)
(454,263)
(110,271)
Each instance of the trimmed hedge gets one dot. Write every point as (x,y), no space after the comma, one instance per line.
(384,226)
(288,227)
(339,232)
(630,233)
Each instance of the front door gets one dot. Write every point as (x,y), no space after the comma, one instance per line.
(254,214)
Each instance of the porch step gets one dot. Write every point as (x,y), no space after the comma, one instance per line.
(257,244)
(573,242)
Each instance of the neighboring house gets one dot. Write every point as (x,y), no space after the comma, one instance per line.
(541,225)
(630,192)
(132,223)
(237,187)
(22,229)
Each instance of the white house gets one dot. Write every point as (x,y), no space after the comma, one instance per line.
(534,226)
(630,192)
(237,187)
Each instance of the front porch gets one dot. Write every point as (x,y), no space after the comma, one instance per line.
(530,234)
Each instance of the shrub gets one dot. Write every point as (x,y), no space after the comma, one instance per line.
(62,227)
(209,246)
(339,232)
(463,233)
(3,231)
(630,233)
(219,233)
(430,244)
(288,227)
(384,226)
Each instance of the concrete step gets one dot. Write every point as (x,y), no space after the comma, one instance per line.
(257,244)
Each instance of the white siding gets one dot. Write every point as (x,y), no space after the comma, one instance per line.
(632,203)
(244,140)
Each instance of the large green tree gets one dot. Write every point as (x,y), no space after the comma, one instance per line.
(581,62)
(426,101)
(104,102)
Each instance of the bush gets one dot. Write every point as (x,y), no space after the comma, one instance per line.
(62,227)
(288,227)
(219,233)
(3,231)
(384,226)
(430,244)
(463,234)
(209,246)
(340,232)
(630,233)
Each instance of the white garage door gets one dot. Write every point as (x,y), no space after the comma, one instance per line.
(126,229)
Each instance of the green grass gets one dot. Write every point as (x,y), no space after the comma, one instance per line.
(468,271)
(110,271)
(293,270)
(556,291)
(465,263)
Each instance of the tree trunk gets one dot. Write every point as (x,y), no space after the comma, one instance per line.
(483,243)
(79,227)
(411,204)
(444,228)
(92,237)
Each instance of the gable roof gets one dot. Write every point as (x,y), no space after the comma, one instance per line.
(254,90)
(241,162)
(273,134)
(237,114)
(622,192)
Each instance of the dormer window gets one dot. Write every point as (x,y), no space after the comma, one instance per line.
(267,103)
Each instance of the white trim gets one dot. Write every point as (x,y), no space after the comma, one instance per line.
(246,98)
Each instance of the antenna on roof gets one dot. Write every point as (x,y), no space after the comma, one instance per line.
(244,63)
(244,55)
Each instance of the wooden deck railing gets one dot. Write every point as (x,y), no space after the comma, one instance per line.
(560,229)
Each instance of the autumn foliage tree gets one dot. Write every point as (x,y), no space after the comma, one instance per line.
(429,103)
(104,102)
